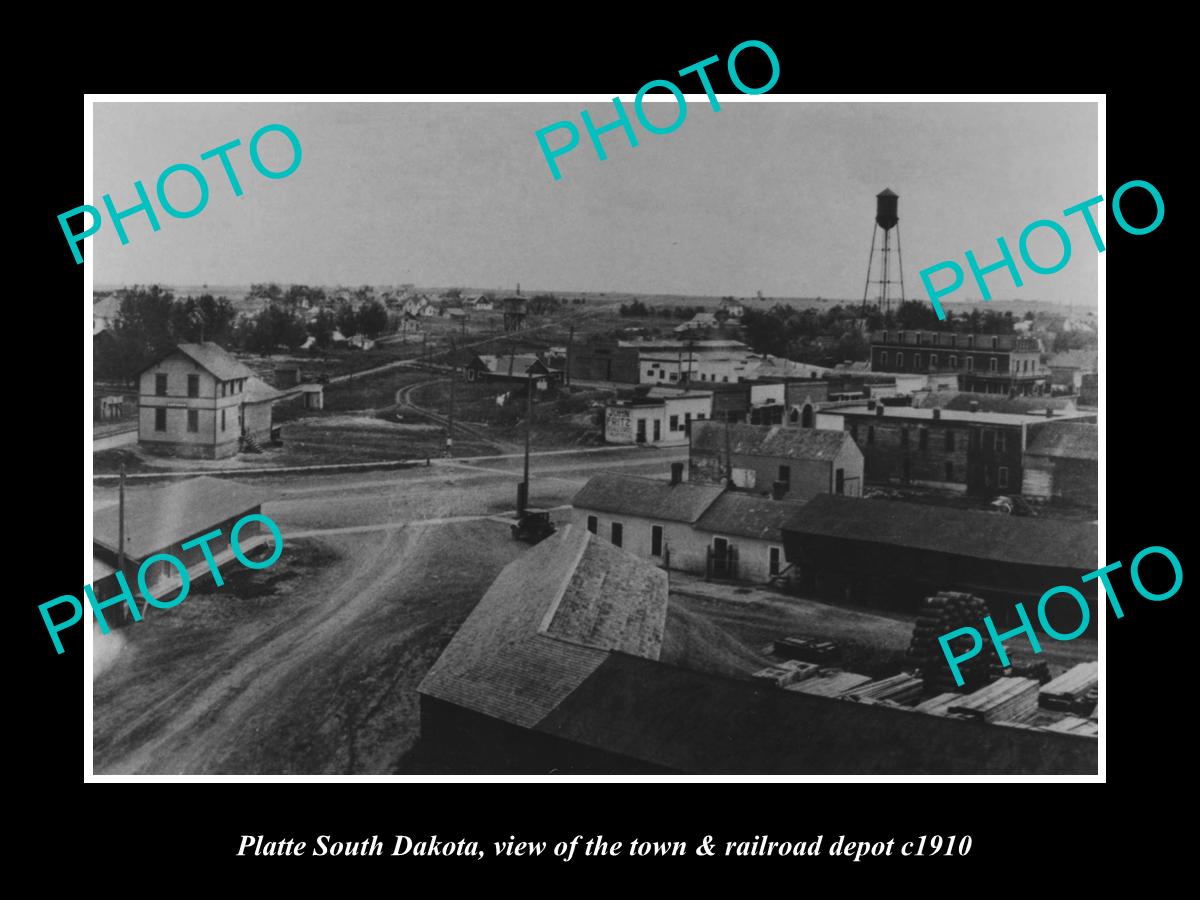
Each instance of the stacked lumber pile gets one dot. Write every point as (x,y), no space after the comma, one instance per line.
(809,649)
(937,706)
(1008,699)
(787,673)
(830,683)
(902,688)
(1074,690)
(1075,725)
(944,612)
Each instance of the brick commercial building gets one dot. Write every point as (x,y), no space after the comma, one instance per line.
(978,453)
(986,363)
(199,401)
(604,361)
(797,463)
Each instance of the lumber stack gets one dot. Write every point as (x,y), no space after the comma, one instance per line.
(830,683)
(901,688)
(946,611)
(1075,725)
(1007,699)
(808,649)
(1070,691)
(787,673)
(937,706)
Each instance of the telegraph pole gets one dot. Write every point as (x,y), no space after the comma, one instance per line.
(450,418)
(528,431)
(570,342)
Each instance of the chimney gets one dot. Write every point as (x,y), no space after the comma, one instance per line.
(974,406)
(778,490)
(871,403)
(676,472)
(937,413)
(879,410)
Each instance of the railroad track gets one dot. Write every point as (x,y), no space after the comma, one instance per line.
(404,402)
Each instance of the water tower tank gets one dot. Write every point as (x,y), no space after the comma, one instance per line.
(886,206)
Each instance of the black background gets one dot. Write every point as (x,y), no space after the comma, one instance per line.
(193,830)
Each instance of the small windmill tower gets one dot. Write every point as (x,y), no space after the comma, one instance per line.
(886,218)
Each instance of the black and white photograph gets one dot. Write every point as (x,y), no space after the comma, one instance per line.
(476,437)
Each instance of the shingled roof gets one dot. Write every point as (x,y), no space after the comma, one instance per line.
(769,440)
(546,624)
(652,498)
(748,515)
(213,358)
(1065,440)
(160,517)
(979,535)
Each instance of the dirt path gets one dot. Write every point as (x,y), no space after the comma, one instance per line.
(327,685)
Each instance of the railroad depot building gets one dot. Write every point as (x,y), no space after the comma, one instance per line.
(515,368)
(564,665)
(663,417)
(160,520)
(974,452)
(893,554)
(986,363)
(199,401)
(797,463)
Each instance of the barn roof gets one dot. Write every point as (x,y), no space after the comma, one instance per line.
(769,440)
(213,358)
(979,535)
(651,498)
(546,624)
(157,518)
(1066,440)
(749,516)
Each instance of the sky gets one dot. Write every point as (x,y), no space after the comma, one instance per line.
(773,196)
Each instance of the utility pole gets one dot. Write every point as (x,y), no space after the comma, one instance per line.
(450,418)
(570,342)
(528,430)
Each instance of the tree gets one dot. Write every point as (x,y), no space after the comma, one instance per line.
(346,319)
(371,318)
(322,328)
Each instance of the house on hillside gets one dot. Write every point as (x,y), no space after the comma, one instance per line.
(199,401)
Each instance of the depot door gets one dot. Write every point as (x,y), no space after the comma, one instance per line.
(641,431)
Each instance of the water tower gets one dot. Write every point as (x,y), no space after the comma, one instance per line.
(886,218)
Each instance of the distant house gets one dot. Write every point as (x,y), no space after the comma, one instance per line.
(454,312)
(1067,369)
(1061,463)
(698,321)
(159,520)
(733,309)
(360,342)
(797,463)
(199,401)
(663,417)
(485,304)
(514,368)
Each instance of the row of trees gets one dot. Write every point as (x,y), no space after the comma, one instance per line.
(150,320)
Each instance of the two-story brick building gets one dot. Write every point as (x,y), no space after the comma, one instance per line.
(973,452)
(198,401)
(985,363)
